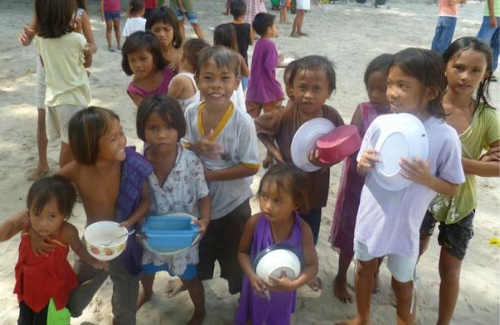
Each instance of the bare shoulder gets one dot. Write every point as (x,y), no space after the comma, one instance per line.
(68,232)
(70,171)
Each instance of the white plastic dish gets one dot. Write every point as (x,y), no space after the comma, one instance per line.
(275,260)
(304,141)
(399,136)
(99,234)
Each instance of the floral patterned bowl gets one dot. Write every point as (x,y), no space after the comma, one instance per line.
(99,234)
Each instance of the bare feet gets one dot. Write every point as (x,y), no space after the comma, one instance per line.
(174,287)
(295,35)
(39,172)
(354,321)
(315,284)
(144,297)
(340,289)
(197,318)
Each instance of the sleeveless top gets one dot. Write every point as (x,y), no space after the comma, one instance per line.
(193,99)
(279,308)
(40,278)
(162,88)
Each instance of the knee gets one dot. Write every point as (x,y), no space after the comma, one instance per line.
(366,269)
(449,274)
(402,290)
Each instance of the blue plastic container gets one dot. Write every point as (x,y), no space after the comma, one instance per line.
(170,232)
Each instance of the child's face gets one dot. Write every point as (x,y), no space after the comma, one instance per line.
(164,32)
(48,221)
(112,143)
(406,93)
(272,31)
(377,89)
(141,63)
(311,90)
(275,203)
(160,134)
(216,84)
(465,71)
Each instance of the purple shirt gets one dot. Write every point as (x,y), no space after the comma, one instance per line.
(263,87)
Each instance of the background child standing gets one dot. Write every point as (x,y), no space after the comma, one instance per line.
(135,22)
(111,13)
(244,32)
(445,28)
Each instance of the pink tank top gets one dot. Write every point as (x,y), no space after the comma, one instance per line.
(112,6)
(162,88)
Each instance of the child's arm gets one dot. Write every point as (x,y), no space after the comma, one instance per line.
(485,167)
(245,72)
(137,99)
(177,86)
(102,9)
(28,32)
(13,225)
(87,32)
(252,35)
(493,19)
(367,161)
(206,147)
(87,52)
(234,172)
(69,234)
(205,208)
(310,267)
(244,254)
(266,125)
(141,210)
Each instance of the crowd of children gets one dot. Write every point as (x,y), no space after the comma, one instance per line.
(201,151)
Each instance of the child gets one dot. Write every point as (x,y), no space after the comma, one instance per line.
(244,32)
(185,8)
(224,138)
(313,80)
(135,22)
(150,6)
(351,183)
(112,181)
(254,7)
(48,277)
(281,194)
(163,23)
(111,13)
(468,71)
(284,6)
(65,55)
(264,91)
(445,28)
(177,184)
(388,221)
(302,6)
(490,31)
(183,86)
(141,57)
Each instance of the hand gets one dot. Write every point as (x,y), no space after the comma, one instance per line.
(417,171)
(283,283)
(100,265)
(257,284)
(268,161)
(40,245)
(26,35)
(491,155)
(22,219)
(87,50)
(368,160)
(126,224)
(202,226)
(281,58)
(493,22)
(206,147)
(314,159)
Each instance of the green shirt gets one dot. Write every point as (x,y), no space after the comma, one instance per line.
(483,130)
(496,8)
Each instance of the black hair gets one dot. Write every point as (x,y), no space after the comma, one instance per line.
(315,63)
(288,70)
(135,7)
(168,108)
(238,8)
(290,179)
(472,43)
(224,58)
(262,22)
(428,68)
(380,63)
(55,187)
(225,35)
(167,16)
(191,50)
(142,41)
(54,17)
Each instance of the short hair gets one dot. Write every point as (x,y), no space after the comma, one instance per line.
(238,8)
(55,187)
(262,22)
(225,35)
(167,107)
(167,16)
(288,70)
(380,63)
(85,128)
(54,17)
(224,59)
(290,179)
(315,63)
(135,6)
(428,68)
(191,50)
(141,40)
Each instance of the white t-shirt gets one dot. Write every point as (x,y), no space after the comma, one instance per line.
(133,25)
(388,222)
(237,136)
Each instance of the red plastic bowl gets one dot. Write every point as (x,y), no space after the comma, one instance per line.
(336,145)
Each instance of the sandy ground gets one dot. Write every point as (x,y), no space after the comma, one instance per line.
(349,35)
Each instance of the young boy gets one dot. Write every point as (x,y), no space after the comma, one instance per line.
(244,32)
(112,181)
(224,138)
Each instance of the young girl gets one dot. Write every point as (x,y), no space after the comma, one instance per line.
(313,80)
(468,71)
(47,277)
(141,57)
(111,13)
(264,91)
(281,194)
(183,86)
(351,183)
(134,22)
(163,23)
(254,7)
(65,55)
(244,32)
(302,6)
(388,221)
(177,184)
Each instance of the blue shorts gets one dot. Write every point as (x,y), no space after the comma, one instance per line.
(113,15)
(192,17)
(190,273)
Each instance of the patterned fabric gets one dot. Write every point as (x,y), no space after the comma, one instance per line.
(253,8)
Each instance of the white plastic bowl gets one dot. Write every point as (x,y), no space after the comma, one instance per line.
(100,233)
(273,261)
